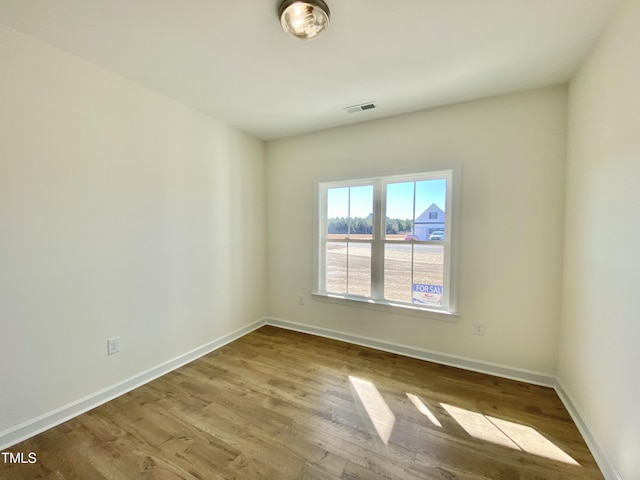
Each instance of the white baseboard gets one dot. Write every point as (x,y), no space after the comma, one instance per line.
(607,467)
(44,422)
(527,376)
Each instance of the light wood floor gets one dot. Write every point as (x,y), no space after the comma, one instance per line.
(283,405)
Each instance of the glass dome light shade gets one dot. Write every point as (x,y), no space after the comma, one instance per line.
(304,19)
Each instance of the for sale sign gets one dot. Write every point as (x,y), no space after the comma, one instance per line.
(427,294)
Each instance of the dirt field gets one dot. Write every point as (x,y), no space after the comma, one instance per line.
(427,268)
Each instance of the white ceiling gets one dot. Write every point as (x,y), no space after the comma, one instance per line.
(231,59)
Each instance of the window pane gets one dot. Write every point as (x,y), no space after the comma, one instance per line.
(430,215)
(399,221)
(359,261)
(428,274)
(336,267)
(361,212)
(397,272)
(337,212)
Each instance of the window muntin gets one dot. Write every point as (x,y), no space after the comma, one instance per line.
(394,261)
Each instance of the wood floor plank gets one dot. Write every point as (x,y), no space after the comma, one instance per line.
(277,404)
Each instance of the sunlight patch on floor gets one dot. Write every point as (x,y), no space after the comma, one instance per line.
(479,426)
(508,434)
(531,441)
(423,409)
(379,412)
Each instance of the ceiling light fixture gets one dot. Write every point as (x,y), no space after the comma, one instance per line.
(304,19)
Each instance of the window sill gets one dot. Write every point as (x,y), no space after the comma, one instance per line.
(385,306)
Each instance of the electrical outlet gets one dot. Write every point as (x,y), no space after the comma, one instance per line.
(478,328)
(300,299)
(113,345)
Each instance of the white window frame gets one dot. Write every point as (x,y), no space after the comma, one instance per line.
(378,242)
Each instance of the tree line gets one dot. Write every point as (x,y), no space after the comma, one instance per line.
(361,225)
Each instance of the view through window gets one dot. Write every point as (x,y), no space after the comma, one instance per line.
(386,239)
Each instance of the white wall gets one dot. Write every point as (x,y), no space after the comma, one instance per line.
(512,151)
(122,213)
(600,333)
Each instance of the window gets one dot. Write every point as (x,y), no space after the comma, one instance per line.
(387,241)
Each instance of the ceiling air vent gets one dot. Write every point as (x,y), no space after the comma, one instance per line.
(360,108)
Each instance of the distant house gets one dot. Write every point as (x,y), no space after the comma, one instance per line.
(432,219)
